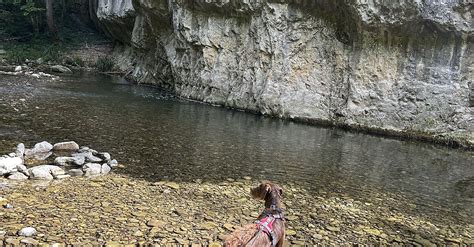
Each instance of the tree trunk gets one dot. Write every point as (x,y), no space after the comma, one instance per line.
(50,19)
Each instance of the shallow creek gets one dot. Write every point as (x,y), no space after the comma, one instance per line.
(342,187)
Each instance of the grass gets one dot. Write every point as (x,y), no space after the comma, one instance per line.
(37,48)
(105,64)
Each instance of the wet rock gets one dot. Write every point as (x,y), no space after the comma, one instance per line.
(113,163)
(60,69)
(47,172)
(92,169)
(70,145)
(64,161)
(9,164)
(27,232)
(76,172)
(17,176)
(105,169)
(88,156)
(42,147)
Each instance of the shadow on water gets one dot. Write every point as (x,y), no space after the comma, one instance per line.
(160,137)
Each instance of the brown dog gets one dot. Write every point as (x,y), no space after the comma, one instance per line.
(269,229)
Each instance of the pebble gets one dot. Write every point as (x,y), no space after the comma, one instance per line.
(27,232)
(29,241)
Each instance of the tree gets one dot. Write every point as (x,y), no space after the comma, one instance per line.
(50,20)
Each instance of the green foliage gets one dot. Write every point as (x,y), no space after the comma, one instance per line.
(105,64)
(74,61)
(39,48)
(30,8)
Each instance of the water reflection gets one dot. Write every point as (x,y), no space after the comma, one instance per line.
(159,136)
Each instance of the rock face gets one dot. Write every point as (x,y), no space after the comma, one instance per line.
(392,65)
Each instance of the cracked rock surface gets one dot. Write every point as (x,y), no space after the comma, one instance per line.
(395,66)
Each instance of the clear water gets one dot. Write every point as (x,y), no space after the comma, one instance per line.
(160,137)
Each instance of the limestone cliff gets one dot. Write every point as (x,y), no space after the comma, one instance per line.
(404,66)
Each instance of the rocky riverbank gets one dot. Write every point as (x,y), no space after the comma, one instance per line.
(69,160)
(116,209)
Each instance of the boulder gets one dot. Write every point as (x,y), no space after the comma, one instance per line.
(18,68)
(71,145)
(60,69)
(42,147)
(9,164)
(92,169)
(17,176)
(105,168)
(64,161)
(47,172)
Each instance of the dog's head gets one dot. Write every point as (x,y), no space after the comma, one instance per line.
(270,192)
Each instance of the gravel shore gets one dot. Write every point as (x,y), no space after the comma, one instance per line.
(118,210)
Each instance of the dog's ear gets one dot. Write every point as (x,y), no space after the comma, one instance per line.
(260,191)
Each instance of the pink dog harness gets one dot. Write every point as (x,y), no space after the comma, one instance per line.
(266,225)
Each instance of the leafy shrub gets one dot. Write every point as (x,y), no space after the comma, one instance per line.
(105,64)
(33,50)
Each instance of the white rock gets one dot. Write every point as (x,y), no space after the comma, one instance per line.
(17,176)
(71,145)
(22,168)
(63,176)
(27,232)
(64,161)
(20,150)
(104,156)
(60,69)
(92,169)
(9,164)
(47,172)
(88,156)
(42,147)
(105,168)
(18,68)
(113,163)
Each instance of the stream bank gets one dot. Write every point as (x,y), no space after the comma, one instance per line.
(117,209)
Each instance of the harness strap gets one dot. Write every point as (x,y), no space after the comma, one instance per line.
(266,225)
